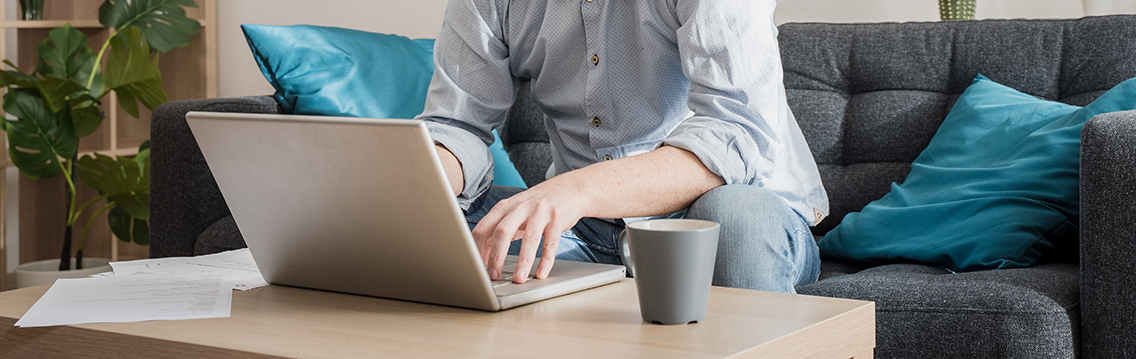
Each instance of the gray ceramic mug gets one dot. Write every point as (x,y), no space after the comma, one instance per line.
(672,261)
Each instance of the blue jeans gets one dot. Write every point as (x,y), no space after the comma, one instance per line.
(762,244)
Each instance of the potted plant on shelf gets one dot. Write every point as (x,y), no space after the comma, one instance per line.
(57,104)
(956,9)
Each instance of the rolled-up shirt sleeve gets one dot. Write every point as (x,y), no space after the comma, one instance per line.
(471,90)
(729,52)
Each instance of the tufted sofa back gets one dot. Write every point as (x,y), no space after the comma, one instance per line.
(869,97)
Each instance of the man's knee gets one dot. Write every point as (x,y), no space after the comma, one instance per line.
(753,219)
(754,248)
(737,202)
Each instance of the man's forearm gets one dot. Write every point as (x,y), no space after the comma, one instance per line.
(662,181)
(454,174)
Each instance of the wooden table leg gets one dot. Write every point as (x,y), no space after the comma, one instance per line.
(865,355)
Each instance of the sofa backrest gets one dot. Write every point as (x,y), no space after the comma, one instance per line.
(869,97)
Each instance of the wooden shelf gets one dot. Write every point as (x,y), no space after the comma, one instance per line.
(50,24)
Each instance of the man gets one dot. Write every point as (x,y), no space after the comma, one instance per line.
(655,108)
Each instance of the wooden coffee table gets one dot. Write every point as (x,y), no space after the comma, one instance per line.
(602,322)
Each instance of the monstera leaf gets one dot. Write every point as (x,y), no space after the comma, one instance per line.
(85,116)
(131,73)
(127,228)
(65,55)
(57,91)
(16,77)
(38,138)
(58,94)
(126,184)
(163,22)
(65,64)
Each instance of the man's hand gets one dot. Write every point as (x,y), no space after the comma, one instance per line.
(545,210)
(661,181)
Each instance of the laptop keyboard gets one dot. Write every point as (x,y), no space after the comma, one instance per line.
(507,273)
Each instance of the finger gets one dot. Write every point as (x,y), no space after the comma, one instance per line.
(534,226)
(483,231)
(504,233)
(558,226)
(548,256)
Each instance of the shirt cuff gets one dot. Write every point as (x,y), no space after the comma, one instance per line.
(474,156)
(721,146)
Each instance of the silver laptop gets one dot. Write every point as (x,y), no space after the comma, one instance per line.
(360,206)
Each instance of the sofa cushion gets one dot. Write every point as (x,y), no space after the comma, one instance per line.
(996,188)
(331,71)
(222,236)
(341,72)
(913,72)
(832,268)
(1010,313)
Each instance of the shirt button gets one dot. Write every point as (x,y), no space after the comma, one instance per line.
(596,122)
(595,59)
(589,0)
(607,158)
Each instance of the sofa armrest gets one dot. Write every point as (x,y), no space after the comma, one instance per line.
(184,198)
(1108,236)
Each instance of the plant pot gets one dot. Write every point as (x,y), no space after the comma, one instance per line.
(956,9)
(46,272)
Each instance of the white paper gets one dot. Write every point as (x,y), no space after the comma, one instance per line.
(103,274)
(238,263)
(133,298)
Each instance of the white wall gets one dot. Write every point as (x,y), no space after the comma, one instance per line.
(239,75)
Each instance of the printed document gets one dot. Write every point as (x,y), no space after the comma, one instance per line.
(117,299)
(238,263)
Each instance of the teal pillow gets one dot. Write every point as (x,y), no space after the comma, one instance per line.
(997,187)
(332,71)
(504,173)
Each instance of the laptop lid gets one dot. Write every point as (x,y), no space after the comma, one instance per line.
(345,204)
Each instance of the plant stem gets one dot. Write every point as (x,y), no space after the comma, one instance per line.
(90,221)
(68,171)
(84,207)
(65,257)
(98,61)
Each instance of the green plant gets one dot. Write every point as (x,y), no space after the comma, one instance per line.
(57,104)
(956,9)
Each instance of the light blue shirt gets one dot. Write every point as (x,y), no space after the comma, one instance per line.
(618,78)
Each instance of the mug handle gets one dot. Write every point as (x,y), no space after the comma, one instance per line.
(625,253)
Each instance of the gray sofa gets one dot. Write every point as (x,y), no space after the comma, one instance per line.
(869,97)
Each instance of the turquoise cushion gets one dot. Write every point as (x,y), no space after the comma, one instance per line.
(504,173)
(332,71)
(997,187)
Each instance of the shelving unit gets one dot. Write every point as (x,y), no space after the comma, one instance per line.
(189,72)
